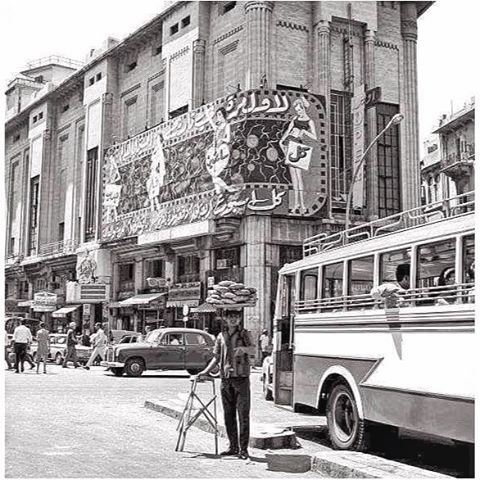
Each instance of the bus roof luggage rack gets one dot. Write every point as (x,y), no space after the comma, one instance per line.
(433,212)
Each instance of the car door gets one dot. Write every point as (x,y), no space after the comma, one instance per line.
(170,352)
(198,352)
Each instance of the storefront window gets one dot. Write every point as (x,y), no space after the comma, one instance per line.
(126,273)
(188,269)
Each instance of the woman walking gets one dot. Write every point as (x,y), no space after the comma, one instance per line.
(43,340)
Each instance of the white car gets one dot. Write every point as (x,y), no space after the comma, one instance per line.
(267,378)
(58,347)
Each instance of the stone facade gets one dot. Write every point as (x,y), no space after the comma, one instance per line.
(191,55)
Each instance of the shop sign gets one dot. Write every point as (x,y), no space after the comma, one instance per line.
(45,302)
(185,291)
(87,293)
(156,282)
(358,114)
(86,309)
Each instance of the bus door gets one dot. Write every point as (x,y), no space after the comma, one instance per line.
(283,352)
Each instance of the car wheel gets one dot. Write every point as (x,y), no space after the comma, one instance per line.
(345,428)
(267,393)
(117,371)
(134,367)
(58,359)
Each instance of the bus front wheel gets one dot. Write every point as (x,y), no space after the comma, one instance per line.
(345,428)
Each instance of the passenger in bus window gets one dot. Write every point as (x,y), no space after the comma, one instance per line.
(446,279)
(471,279)
(391,293)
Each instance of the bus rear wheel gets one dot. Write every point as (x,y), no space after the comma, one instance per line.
(345,428)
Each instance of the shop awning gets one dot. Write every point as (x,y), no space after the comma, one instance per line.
(204,308)
(64,311)
(143,299)
(181,303)
(25,303)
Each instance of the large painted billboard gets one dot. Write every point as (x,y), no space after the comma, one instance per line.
(254,151)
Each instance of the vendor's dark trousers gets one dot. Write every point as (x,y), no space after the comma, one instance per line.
(20,354)
(236,400)
(71,355)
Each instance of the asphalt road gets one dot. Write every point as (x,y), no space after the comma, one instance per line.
(91,424)
(78,423)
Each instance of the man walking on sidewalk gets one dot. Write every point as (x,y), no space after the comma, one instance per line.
(98,341)
(22,336)
(71,351)
(232,350)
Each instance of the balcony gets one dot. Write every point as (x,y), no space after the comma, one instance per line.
(54,248)
(54,60)
(458,165)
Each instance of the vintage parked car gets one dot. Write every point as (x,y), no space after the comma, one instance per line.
(133,338)
(58,347)
(163,349)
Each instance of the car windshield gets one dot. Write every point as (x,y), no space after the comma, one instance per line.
(152,337)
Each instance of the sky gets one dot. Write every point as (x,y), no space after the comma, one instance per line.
(31,29)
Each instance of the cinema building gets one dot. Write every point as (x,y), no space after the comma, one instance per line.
(206,146)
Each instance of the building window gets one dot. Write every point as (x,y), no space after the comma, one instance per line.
(40,115)
(130,117)
(23,289)
(226,7)
(178,112)
(61,231)
(186,21)
(290,253)
(126,274)
(388,161)
(157,50)
(65,107)
(11,246)
(131,66)
(12,197)
(188,269)
(341,145)
(90,193)
(157,104)
(154,268)
(16,138)
(98,76)
(174,29)
(33,229)
(39,79)
(34,119)
(91,81)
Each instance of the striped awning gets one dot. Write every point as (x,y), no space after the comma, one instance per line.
(143,299)
(64,311)
(204,308)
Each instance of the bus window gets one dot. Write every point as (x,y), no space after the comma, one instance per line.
(287,303)
(360,282)
(436,272)
(395,268)
(469,267)
(332,280)
(360,276)
(308,284)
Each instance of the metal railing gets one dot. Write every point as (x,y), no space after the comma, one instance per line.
(457,157)
(62,246)
(431,213)
(55,59)
(424,296)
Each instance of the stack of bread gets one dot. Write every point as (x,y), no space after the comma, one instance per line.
(228,293)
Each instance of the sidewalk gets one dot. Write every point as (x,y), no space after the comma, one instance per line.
(285,453)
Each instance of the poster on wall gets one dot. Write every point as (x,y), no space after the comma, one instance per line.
(258,151)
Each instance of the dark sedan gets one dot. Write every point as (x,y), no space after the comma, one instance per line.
(163,349)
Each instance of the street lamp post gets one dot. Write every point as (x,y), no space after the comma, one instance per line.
(395,120)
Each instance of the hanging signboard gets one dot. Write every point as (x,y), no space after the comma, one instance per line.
(44,302)
(358,117)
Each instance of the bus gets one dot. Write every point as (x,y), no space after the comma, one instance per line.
(374,327)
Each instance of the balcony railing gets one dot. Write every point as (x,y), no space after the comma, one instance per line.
(56,60)
(62,246)
(431,213)
(459,157)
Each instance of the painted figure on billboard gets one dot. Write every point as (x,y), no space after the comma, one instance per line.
(218,154)
(157,173)
(298,153)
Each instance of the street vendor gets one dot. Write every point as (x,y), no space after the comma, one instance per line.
(233,349)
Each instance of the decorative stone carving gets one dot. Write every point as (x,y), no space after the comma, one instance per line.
(86,269)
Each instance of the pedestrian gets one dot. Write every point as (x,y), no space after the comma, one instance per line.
(148,329)
(43,340)
(99,340)
(233,347)
(71,351)
(85,339)
(22,336)
(264,342)
(7,351)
